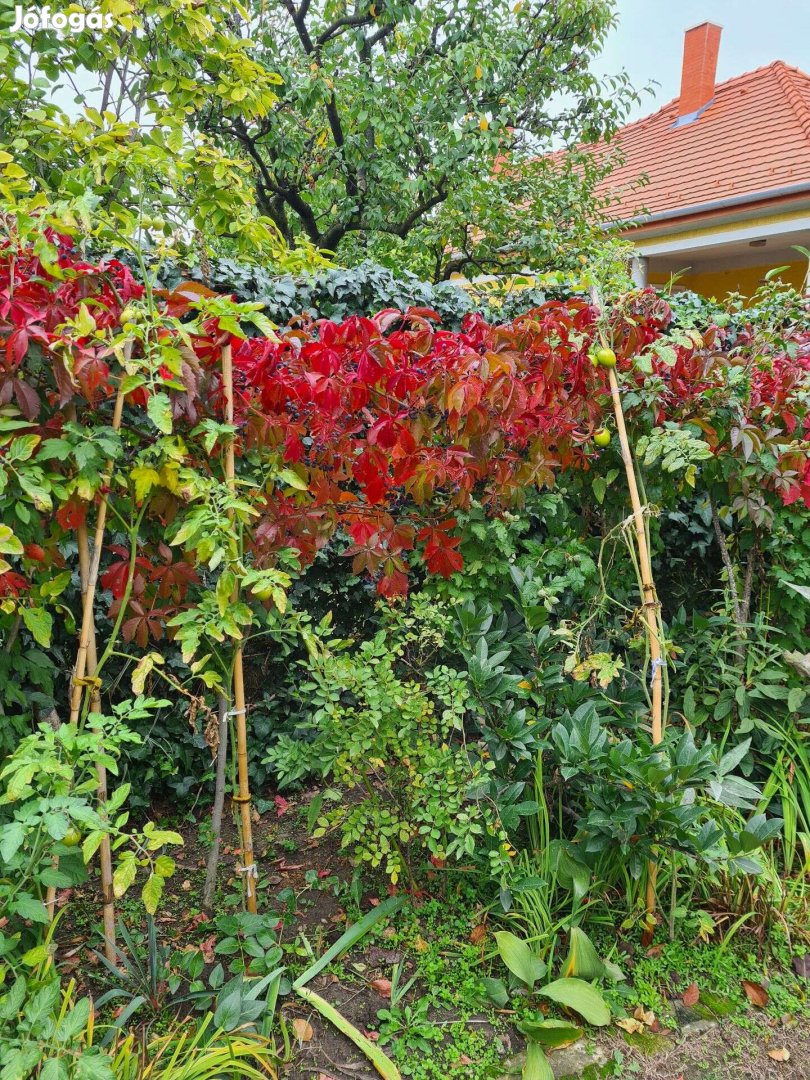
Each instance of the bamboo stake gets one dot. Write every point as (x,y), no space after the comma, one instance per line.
(84,672)
(248,867)
(650,602)
(105,850)
(80,670)
(216,814)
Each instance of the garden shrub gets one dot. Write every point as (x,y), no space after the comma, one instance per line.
(386,721)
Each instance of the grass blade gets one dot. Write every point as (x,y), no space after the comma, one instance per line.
(351,937)
(383,1064)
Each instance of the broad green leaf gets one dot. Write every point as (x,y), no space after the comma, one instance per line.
(581,997)
(537,1065)
(159,410)
(582,960)
(496,991)
(40,623)
(11,838)
(28,907)
(519,958)
(551,1033)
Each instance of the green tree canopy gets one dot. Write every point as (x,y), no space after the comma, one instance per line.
(413,133)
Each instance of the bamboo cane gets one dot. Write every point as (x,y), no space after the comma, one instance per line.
(248,867)
(83,672)
(649,601)
(105,851)
(80,669)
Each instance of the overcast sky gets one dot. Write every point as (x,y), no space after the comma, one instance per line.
(648,42)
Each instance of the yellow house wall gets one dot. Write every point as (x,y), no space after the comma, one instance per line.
(742,279)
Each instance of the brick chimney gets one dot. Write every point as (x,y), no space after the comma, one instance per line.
(700,48)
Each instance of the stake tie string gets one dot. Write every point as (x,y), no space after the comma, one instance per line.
(251,870)
(241,798)
(658,662)
(86,680)
(236,712)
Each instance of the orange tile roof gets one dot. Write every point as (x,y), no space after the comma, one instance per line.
(755,135)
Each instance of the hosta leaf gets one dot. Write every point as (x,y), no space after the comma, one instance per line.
(582,960)
(519,958)
(537,1065)
(581,997)
(551,1033)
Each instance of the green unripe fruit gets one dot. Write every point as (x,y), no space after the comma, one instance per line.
(602,437)
(606,357)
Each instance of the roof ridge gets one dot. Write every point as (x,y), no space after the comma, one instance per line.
(774,65)
(785,77)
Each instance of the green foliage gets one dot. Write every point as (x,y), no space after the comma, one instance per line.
(48,809)
(342,163)
(635,800)
(387,723)
(47,1032)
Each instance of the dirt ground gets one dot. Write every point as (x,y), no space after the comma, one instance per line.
(290,859)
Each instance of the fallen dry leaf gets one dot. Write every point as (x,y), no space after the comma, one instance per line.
(801,965)
(478,934)
(382,986)
(463,1060)
(756,993)
(630,1025)
(420,945)
(691,995)
(186,885)
(646,1016)
(303,1030)
(782,1054)
(655,950)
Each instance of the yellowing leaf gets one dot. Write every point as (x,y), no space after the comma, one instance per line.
(152,892)
(144,478)
(124,875)
(630,1025)
(84,322)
